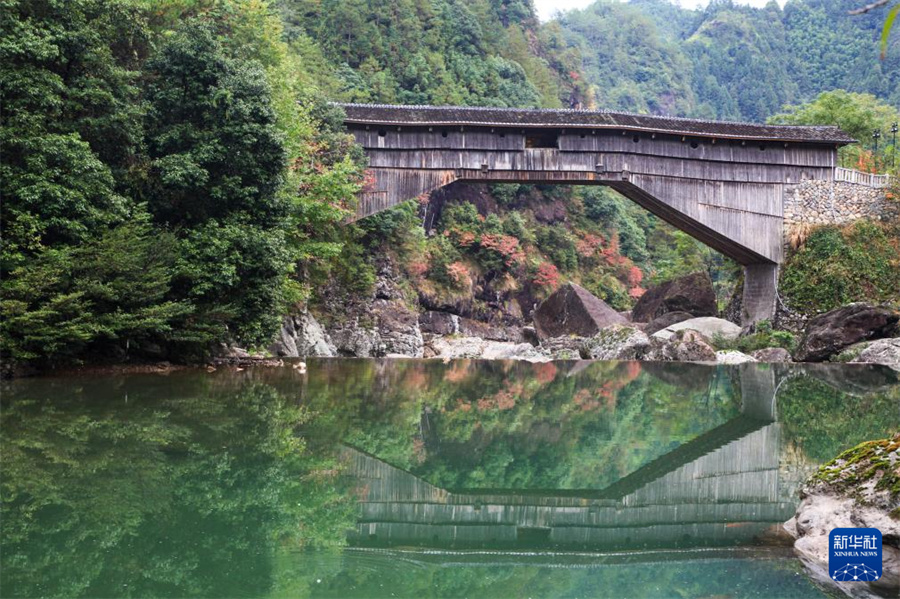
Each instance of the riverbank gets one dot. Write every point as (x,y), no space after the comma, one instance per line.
(858,489)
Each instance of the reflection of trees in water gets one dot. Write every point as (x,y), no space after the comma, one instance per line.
(474,424)
(193,494)
(823,421)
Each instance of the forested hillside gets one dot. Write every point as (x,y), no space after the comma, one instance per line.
(174,178)
(728,60)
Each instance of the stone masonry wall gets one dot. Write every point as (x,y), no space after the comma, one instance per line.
(836,202)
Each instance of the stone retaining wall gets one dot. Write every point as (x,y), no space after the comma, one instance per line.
(836,202)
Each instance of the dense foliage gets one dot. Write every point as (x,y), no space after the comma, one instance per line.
(836,266)
(164,168)
(729,60)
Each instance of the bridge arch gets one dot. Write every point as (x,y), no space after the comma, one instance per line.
(723,183)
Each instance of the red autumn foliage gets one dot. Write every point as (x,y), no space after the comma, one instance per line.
(588,245)
(368,181)
(547,276)
(505,245)
(459,274)
(417,268)
(635,276)
(463,238)
(636,292)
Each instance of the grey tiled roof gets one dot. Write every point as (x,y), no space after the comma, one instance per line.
(388,114)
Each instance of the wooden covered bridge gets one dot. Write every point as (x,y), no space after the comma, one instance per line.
(723,183)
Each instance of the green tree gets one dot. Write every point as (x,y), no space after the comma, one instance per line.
(217,165)
(70,127)
(857,114)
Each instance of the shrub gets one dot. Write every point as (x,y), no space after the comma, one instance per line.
(558,245)
(837,266)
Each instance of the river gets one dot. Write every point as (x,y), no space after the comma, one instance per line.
(420,478)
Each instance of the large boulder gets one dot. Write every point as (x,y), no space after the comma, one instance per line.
(439,323)
(398,327)
(883,351)
(683,346)
(667,319)
(709,326)
(302,335)
(573,310)
(828,334)
(693,294)
(618,342)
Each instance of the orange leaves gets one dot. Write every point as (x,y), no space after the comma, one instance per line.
(459,275)
(588,245)
(505,245)
(547,276)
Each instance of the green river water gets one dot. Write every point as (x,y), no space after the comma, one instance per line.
(419,478)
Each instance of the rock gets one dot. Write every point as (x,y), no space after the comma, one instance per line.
(667,319)
(229,351)
(845,493)
(513,351)
(450,348)
(563,348)
(709,326)
(301,335)
(772,355)
(476,328)
(693,294)
(883,351)
(617,342)
(398,328)
(530,336)
(439,323)
(395,330)
(457,347)
(733,357)
(828,334)
(683,346)
(358,342)
(573,310)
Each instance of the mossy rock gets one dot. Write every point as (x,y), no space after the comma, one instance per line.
(869,473)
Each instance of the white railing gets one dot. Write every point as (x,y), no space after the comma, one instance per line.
(860,178)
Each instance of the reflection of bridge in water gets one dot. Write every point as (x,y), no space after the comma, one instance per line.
(721,488)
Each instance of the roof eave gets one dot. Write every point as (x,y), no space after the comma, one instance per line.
(706,135)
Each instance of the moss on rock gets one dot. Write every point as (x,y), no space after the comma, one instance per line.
(868,473)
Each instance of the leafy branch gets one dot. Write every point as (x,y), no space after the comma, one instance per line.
(888,22)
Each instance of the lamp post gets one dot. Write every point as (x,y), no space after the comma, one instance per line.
(875,135)
(893,144)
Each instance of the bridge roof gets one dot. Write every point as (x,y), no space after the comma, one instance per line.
(396,115)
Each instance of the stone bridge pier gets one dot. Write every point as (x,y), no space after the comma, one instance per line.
(723,183)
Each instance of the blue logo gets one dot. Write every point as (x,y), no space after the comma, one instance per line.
(854,554)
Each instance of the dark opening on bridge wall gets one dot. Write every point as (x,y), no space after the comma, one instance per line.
(529,535)
(542,139)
